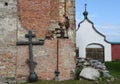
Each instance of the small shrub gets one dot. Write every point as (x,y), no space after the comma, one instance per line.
(77,72)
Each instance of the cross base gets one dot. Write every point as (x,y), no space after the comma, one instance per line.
(33,77)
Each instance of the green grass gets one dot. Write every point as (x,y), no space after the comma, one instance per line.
(113,67)
(75,82)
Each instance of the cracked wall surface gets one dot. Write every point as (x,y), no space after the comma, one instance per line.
(19,16)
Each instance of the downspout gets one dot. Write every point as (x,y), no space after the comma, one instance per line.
(57,72)
(57,65)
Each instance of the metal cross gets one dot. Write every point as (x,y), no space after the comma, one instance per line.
(32,76)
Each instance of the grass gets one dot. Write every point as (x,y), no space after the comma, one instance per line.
(75,82)
(113,67)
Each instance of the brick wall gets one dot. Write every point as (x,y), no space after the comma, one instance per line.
(35,15)
(39,16)
(19,16)
(46,58)
(54,10)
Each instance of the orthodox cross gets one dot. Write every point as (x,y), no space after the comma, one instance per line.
(32,75)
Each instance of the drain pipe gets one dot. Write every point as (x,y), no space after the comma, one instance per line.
(57,65)
(57,72)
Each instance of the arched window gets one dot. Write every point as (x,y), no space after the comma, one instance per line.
(95,51)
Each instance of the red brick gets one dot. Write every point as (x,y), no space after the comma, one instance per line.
(36,15)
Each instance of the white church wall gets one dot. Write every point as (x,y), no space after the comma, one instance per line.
(86,35)
(94,46)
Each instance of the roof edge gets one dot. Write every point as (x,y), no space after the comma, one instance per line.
(93,28)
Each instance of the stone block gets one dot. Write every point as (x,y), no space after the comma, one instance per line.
(90,73)
(71,10)
(8,7)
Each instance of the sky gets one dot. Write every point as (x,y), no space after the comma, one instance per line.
(105,14)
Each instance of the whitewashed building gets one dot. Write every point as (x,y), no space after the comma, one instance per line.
(90,42)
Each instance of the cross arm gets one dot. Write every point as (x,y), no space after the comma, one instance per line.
(40,42)
(22,43)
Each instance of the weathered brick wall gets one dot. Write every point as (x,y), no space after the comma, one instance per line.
(35,15)
(54,10)
(8,22)
(46,58)
(68,7)
(39,16)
